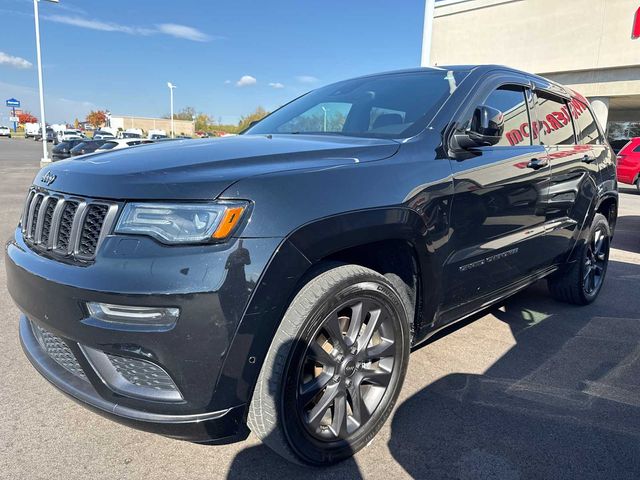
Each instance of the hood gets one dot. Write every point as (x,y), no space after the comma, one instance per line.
(203,169)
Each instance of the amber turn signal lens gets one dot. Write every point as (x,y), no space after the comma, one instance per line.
(229,221)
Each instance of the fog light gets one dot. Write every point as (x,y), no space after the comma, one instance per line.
(131,317)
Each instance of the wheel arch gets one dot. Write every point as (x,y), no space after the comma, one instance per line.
(608,206)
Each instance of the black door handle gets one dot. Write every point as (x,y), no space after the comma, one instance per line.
(537,164)
(588,159)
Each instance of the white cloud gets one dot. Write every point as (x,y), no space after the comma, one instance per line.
(171,29)
(17,62)
(276,85)
(246,80)
(183,31)
(97,25)
(306,79)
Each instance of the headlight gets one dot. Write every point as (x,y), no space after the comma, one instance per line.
(181,222)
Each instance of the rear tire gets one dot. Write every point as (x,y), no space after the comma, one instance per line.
(580,282)
(638,183)
(334,369)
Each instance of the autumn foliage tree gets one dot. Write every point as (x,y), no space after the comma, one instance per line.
(26,117)
(97,118)
(246,120)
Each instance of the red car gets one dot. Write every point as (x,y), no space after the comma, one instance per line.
(629,163)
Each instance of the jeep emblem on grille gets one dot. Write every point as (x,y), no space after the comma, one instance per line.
(48,178)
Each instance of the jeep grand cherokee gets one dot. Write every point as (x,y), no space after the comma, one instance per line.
(276,281)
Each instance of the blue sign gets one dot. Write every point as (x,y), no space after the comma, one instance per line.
(12,102)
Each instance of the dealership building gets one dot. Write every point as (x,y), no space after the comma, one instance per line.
(592,46)
(124,122)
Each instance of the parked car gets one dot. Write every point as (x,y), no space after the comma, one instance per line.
(617,144)
(86,146)
(156,133)
(628,169)
(63,149)
(31,130)
(102,135)
(277,280)
(51,135)
(5,132)
(130,133)
(65,135)
(118,143)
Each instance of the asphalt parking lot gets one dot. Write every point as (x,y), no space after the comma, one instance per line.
(532,389)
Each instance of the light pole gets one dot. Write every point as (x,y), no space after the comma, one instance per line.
(324,122)
(43,124)
(171,87)
(427,32)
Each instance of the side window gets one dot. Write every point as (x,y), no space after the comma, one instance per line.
(511,101)
(554,121)
(586,126)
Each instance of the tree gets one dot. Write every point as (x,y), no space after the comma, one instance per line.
(203,122)
(27,117)
(97,118)
(187,113)
(258,114)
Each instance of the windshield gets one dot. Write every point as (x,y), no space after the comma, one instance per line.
(389,106)
(108,145)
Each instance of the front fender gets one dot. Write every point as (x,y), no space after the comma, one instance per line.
(284,275)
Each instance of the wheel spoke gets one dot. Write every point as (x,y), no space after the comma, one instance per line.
(372,325)
(360,411)
(339,421)
(320,355)
(585,279)
(378,377)
(598,242)
(318,411)
(386,348)
(310,389)
(356,322)
(332,326)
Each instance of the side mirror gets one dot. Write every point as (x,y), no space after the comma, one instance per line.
(486,129)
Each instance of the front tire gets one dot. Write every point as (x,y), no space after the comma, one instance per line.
(334,369)
(581,282)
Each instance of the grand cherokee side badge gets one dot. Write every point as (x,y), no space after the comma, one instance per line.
(48,178)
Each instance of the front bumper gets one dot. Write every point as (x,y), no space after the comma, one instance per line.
(210,284)
(219,427)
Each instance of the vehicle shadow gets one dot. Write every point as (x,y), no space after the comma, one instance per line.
(627,234)
(564,402)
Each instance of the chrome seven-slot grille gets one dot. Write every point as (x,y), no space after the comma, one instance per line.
(66,225)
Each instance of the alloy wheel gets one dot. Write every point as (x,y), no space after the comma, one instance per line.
(597,253)
(347,368)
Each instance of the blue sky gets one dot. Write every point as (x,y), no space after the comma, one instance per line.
(225,57)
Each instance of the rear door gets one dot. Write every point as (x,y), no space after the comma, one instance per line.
(574,169)
(498,211)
